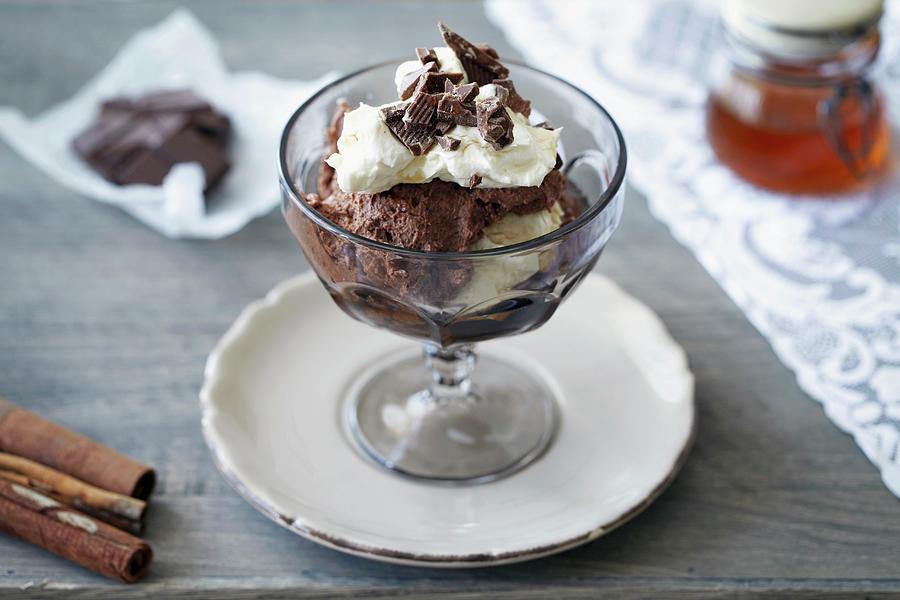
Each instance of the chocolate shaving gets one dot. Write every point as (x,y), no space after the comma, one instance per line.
(494,123)
(416,138)
(514,101)
(559,162)
(435,83)
(410,80)
(421,110)
(448,143)
(545,125)
(451,109)
(474,180)
(426,55)
(480,66)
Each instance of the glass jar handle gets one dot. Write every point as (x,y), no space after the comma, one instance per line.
(831,122)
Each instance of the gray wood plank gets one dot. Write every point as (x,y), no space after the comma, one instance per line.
(105,326)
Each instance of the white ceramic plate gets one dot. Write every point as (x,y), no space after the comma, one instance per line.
(271,407)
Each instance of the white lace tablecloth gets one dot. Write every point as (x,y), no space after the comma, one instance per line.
(820,279)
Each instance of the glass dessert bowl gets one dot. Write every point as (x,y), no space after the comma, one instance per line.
(448,419)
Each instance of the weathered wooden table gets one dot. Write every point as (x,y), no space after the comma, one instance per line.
(105,326)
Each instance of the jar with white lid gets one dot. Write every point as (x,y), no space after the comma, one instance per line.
(792,107)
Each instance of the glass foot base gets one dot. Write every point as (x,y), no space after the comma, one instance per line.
(497,423)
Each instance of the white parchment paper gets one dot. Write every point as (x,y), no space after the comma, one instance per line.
(179,52)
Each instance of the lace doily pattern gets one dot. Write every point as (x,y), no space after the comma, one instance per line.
(820,279)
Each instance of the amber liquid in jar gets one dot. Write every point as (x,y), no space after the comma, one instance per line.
(773,135)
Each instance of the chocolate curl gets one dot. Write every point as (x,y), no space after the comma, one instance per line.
(25,434)
(118,510)
(40,520)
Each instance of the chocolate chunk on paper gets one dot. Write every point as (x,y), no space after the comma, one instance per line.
(494,123)
(409,81)
(516,102)
(139,140)
(480,66)
(417,139)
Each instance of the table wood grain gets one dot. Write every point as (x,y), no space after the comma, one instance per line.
(105,327)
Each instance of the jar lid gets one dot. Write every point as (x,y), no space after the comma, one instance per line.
(801,28)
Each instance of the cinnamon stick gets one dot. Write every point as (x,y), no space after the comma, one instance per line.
(118,510)
(26,434)
(38,519)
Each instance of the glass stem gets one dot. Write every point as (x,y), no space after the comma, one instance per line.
(451,371)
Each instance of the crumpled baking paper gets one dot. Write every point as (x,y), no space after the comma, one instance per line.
(179,52)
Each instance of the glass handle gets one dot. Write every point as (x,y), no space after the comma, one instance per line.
(857,94)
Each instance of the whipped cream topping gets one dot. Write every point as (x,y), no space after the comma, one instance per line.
(370,159)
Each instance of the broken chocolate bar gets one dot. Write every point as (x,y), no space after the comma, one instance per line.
(139,140)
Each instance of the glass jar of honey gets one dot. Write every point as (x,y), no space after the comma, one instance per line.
(792,107)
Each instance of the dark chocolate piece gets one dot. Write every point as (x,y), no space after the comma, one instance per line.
(451,109)
(443,127)
(104,131)
(466,92)
(435,83)
(422,110)
(474,180)
(426,55)
(448,143)
(559,162)
(480,66)
(494,123)
(171,101)
(489,50)
(410,80)
(139,140)
(545,125)
(514,100)
(502,94)
(416,138)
